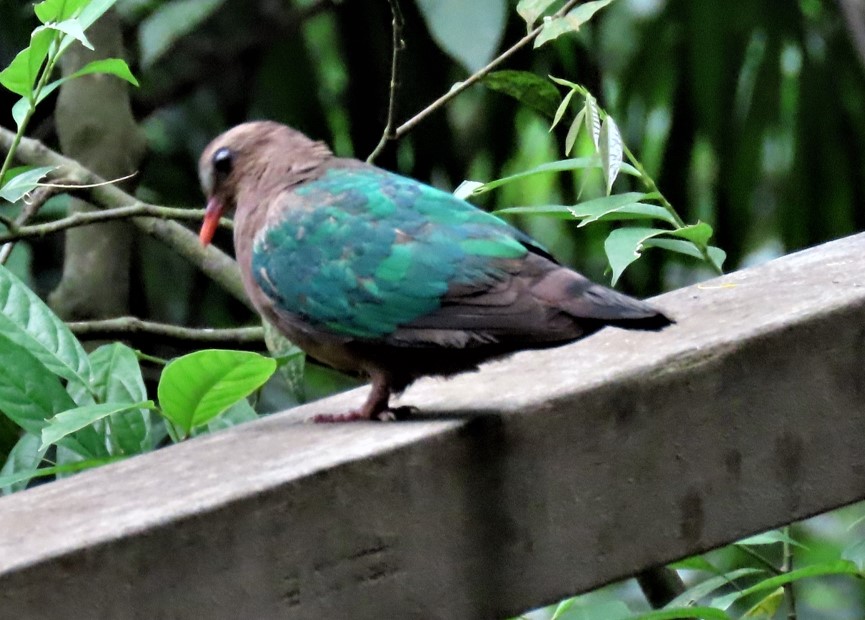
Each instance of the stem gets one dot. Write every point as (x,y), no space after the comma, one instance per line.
(786,567)
(477,76)
(85,218)
(123,328)
(398,46)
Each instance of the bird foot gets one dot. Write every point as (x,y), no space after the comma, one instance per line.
(386,415)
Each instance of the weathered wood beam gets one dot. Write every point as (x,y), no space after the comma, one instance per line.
(548,474)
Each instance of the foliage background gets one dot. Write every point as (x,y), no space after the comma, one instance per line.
(751,119)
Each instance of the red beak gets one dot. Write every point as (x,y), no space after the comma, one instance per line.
(211,221)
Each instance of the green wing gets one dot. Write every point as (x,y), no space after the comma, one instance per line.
(368,251)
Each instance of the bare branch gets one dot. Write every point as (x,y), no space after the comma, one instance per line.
(85,218)
(475,77)
(210,260)
(32,204)
(133,328)
(398,46)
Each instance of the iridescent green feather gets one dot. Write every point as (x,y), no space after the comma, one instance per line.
(376,251)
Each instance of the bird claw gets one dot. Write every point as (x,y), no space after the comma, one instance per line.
(387,415)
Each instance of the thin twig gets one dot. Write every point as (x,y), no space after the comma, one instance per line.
(126,327)
(85,218)
(32,204)
(786,567)
(398,46)
(476,77)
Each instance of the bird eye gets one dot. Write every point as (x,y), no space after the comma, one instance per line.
(222,161)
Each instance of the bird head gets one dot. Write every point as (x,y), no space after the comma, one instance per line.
(248,162)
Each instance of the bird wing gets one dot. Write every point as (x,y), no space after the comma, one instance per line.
(371,255)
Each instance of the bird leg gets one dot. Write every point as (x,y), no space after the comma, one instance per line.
(375,408)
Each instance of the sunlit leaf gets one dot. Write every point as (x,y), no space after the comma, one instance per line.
(684,613)
(531,10)
(20,75)
(770,538)
(197,387)
(576,17)
(467,188)
(72,27)
(610,150)
(528,88)
(68,422)
(58,10)
(23,183)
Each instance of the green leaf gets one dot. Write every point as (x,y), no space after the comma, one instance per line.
(767,607)
(68,422)
(19,111)
(593,120)
(699,233)
(531,10)
(170,22)
(24,457)
(707,613)
(20,76)
(467,188)
(630,211)
(574,131)
(93,10)
(72,28)
(855,552)
(563,107)
(528,88)
(117,379)
(770,538)
(197,387)
(469,32)
(29,393)
(562,212)
(23,183)
(603,610)
(623,247)
(578,163)
(290,360)
(24,476)
(610,149)
(112,66)
(57,10)
(839,567)
(705,588)
(556,27)
(27,321)
(697,562)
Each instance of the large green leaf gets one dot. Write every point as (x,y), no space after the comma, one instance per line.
(197,387)
(30,394)
(470,32)
(27,321)
(117,379)
(73,420)
(58,10)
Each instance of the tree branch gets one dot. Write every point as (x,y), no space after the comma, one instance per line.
(398,46)
(210,260)
(85,218)
(32,204)
(476,77)
(130,327)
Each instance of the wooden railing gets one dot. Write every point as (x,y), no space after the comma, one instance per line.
(539,477)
